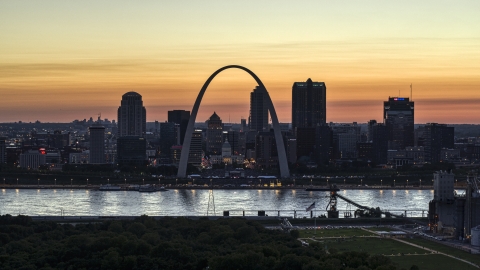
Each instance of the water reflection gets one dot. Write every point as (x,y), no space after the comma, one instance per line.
(195,202)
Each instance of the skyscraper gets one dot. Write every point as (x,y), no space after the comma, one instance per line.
(97,144)
(3,150)
(436,138)
(308,104)
(258,119)
(167,139)
(398,117)
(132,116)
(214,135)
(196,152)
(181,118)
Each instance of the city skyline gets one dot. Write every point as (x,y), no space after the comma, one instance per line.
(64,61)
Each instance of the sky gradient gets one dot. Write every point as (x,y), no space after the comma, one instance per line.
(66,60)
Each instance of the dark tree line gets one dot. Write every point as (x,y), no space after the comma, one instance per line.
(170,243)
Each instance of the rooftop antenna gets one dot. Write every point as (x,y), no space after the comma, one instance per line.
(411,90)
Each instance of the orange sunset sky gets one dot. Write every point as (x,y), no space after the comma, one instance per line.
(66,60)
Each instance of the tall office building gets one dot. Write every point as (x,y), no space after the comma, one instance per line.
(132,116)
(398,117)
(196,152)
(97,144)
(437,137)
(258,119)
(308,111)
(214,135)
(180,117)
(3,150)
(308,104)
(323,144)
(379,137)
(266,150)
(167,139)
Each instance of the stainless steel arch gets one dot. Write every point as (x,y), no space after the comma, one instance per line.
(282,157)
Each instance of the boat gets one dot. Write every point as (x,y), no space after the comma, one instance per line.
(147,188)
(162,188)
(109,187)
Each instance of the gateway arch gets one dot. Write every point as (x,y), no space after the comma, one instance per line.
(282,157)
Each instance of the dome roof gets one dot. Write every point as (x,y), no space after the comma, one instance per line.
(131,94)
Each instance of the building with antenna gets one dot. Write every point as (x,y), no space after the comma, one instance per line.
(398,117)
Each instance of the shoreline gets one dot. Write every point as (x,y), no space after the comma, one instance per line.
(125,187)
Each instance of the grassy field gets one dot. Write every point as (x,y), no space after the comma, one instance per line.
(381,246)
(334,233)
(430,262)
(404,255)
(445,249)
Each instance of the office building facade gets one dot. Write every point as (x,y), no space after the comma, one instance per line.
(308,104)
(258,119)
(132,116)
(97,144)
(214,135)
(398,117)
(181,118)
(437,137)
(131,150)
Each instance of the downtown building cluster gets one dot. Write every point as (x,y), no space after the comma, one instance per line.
(309,140)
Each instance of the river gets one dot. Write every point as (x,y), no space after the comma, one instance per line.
(186,202)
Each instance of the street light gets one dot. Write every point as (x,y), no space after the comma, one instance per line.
(407,182)
(17,181)
(420,183)
(327,182)
(393,182)
(38,183)
(361,182)
(381,182)
(87,182)
(143,181)
(71,182)
(294,182)
(344,181)
(125,181)
(176,180)
(55,181)
(108,181)
(4,181)
(311,182)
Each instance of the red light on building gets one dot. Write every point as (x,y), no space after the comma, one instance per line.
(42,151)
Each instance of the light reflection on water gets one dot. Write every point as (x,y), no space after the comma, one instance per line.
(195,202)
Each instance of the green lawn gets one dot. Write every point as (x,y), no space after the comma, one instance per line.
(334,233)
(382,246)
(387,246)
(430,262)
(446,249)
(386,229)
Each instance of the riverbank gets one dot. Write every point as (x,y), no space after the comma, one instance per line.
(189,187)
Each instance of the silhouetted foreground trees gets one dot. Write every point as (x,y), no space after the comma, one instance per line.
(170,243)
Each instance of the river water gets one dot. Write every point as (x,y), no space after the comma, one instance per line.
(185,202)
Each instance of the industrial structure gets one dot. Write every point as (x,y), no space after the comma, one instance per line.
(452,213)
